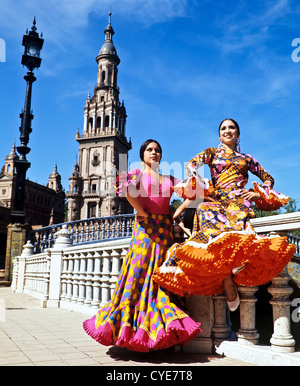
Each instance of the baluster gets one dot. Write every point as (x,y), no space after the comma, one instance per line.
(102,229)
(89,279)
(105,276)
(87,231)
(44,242)
(72,232)
(220,329)
(129,226)
(247,332)
(97,232)
(123,226)
(118,226)
(81,280)
(97,281)
(69,278)
(75,281)
(37,244)
(115,269)
(56,229)
(93,230)
(76,234)
(123,255)
(107,228)
(82,232)
(282,340)
(50,239)
(113,228)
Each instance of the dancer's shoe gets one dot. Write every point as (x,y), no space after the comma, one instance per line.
(234,304)
(236,270)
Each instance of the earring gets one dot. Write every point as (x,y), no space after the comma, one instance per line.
(221,143)
(238,145)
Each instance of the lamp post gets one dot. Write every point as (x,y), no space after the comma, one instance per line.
(31,59)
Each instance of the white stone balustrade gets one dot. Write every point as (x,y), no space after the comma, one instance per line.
(79,278)
(82,278)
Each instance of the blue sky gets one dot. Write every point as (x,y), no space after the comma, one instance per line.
(185,66)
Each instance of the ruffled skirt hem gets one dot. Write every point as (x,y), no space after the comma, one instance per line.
(180,331)
(199,269)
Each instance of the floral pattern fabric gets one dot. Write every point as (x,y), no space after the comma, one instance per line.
(222,236)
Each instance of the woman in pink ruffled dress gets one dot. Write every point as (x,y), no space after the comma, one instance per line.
(141,315)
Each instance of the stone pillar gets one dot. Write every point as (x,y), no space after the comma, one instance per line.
(221,329)
(27,251)
(63,241)
(16,238)
(46,279)
(85,123)
(247,334)
(282,340)
(94,123)
(201,310)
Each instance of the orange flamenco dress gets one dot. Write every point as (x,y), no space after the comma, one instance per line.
(223,237)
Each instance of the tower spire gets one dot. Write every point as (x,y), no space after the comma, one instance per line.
(103,140)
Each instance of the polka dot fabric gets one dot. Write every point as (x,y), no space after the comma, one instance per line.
(141,315)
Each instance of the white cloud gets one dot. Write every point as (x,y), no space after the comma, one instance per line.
(249,25)
(63,15)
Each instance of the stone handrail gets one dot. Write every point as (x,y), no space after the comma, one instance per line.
(84,231)
(286,222)
(82,277)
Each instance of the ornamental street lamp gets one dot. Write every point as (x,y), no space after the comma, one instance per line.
(31,59)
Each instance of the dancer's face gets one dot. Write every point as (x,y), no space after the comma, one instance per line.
(228,133)
(152,154)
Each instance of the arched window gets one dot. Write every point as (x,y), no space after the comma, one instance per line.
(106,121)
(90,124)
(98,123)
(102,76)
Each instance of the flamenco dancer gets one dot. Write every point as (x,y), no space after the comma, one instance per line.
(224,250)
(141,315)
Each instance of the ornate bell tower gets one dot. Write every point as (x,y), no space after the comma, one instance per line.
(103,147)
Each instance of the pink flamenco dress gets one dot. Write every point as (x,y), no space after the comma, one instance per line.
(222,237)
(142,316)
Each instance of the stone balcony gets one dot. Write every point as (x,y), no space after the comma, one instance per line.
(79,274)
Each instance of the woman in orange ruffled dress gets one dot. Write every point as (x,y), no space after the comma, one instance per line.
(224,250)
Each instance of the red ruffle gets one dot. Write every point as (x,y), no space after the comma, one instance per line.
(179,332)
